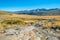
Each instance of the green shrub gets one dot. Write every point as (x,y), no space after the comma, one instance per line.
(12,21)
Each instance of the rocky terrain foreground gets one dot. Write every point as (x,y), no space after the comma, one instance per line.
(29,33)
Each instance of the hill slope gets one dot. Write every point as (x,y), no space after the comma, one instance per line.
(3,13)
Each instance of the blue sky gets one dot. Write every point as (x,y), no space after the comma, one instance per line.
(14,5)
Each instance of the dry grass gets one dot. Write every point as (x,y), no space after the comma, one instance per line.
(33,19)
(30,17)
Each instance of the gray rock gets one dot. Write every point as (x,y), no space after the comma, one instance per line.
(52,38)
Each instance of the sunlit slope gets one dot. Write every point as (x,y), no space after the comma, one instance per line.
(3,13)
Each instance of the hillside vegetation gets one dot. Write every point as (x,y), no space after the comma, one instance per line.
(15,19)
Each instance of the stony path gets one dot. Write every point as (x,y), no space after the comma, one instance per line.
(25,34)
(29,33)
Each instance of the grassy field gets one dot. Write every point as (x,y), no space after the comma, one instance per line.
(7,20)
(30,16)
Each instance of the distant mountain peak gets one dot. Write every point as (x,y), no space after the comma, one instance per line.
(41,12)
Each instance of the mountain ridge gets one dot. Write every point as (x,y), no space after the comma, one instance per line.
(39,12)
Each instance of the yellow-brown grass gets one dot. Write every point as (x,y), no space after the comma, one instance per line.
(30,17)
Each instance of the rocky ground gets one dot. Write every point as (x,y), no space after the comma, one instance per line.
(29,33)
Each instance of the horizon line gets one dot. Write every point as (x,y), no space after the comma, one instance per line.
(25,9)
